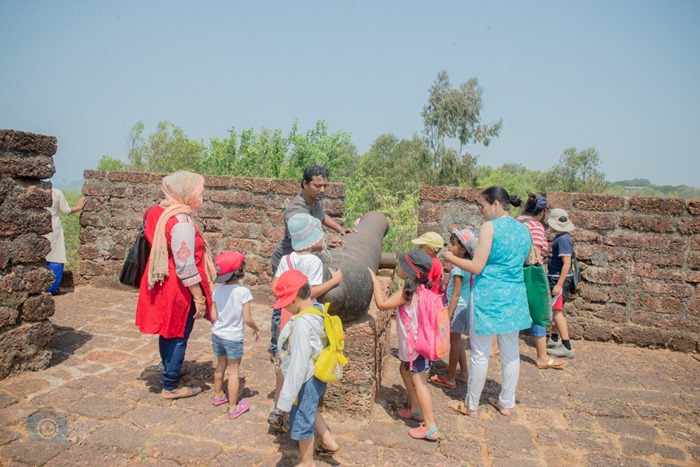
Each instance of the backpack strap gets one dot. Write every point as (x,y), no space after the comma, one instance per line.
(289,261)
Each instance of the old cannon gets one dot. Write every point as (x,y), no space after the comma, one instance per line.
(362,249)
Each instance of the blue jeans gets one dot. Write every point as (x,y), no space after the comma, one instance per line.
(303,414)
(57,270)
(275,330)
(172,353)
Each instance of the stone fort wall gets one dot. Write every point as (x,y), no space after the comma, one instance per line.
(640,261)
(25,306)
(242,214)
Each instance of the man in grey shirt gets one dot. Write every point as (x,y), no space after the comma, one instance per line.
(309,201)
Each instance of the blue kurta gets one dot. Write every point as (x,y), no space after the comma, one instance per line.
(500,300)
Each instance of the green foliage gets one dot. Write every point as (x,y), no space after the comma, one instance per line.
(577,172)
(454,114)
(71,231)
(109,163)
(247,154)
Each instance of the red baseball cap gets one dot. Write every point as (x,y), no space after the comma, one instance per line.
(287,286)
(227,263)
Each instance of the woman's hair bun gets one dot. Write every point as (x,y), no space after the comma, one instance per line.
(515,201)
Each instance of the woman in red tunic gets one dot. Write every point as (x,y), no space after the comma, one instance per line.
(176,290)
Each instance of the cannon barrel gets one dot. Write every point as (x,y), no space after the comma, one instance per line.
(362,249)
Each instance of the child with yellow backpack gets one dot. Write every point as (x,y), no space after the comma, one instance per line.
(306,355)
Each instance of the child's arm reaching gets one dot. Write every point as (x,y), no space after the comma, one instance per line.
(336,278)
(214,312)
(248,320)
(456,291)
(380,300)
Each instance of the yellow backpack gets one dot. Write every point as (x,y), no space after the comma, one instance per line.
(328,367)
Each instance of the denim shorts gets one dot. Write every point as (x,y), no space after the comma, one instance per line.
(232,349)
(303,414)
(420,364)
(538,331)
(459,324)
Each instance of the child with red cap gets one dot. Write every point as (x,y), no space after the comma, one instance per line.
(230,314)
(300,343)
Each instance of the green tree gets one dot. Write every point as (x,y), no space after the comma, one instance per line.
(109,163)
(577,172)
(318,146)
(454,116)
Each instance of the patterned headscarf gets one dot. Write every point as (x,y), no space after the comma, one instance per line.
(183,195)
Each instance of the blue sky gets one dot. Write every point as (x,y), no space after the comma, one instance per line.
(620,76)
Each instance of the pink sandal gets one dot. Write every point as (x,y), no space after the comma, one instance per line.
(216,401)
(243,406)
(421,433)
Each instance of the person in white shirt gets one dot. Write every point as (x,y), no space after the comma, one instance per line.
(56,259)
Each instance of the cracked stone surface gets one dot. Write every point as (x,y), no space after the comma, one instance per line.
(612,405)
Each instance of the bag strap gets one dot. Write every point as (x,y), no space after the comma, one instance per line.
(289,261)
(145,216)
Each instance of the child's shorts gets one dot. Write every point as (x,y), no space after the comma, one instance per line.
(559,304)
(420,364)
(459,324)
(303,414)
(538,331)
(232,349)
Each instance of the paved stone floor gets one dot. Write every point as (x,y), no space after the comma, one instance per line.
(613,405)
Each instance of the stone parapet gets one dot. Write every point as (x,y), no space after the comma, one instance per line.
(25,307)
(640,259)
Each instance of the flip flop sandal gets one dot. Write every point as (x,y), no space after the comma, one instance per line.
(421,433)
(497,405)
(243,406)
(406,413)
(438,380)
(551,364)
(460,407)
(324,452)
(190,392)
(216,401)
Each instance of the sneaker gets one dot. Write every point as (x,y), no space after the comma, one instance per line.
(552,344)
(561,351)
(278,420)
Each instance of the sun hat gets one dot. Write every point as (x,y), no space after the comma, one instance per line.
(227,263)
(287,287)
(432,239)
(305,230)
(558,219)
(416,263)
(468,238)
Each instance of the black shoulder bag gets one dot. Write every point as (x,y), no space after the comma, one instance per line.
(136,259)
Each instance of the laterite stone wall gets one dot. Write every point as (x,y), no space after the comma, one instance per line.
(25,306)
(640,261)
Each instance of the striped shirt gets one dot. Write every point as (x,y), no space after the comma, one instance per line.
(539,237)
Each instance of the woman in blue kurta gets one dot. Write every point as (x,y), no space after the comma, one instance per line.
(500,301)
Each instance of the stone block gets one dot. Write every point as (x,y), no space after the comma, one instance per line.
(93,187)
(244,216)
(24,348)
(434,193)
(212,225)
(242,245)
(658,304)
(91,268)
(594,220)
(131,178)
(334,208)
(336,190)
(285,187)
(210,211)
(690,226)
(678,290)
(664,206)
(120,190)
(658,258)
(11,283)
(37,280)
(8,316)
(95,174)
(607,276)
(596,202)
(89,251)
(93,219)
(429,213)
(17,221)
(230,197)
(35,196)
(645,223)
(694,207)
(556,199)
(470,195)
(694,260)
(38,307)
(583,235)
(30,248)
(26,142)
(5,253)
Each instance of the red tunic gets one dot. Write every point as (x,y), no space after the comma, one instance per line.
(164,309)
(436,275)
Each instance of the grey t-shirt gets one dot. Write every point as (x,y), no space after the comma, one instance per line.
(296,206)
